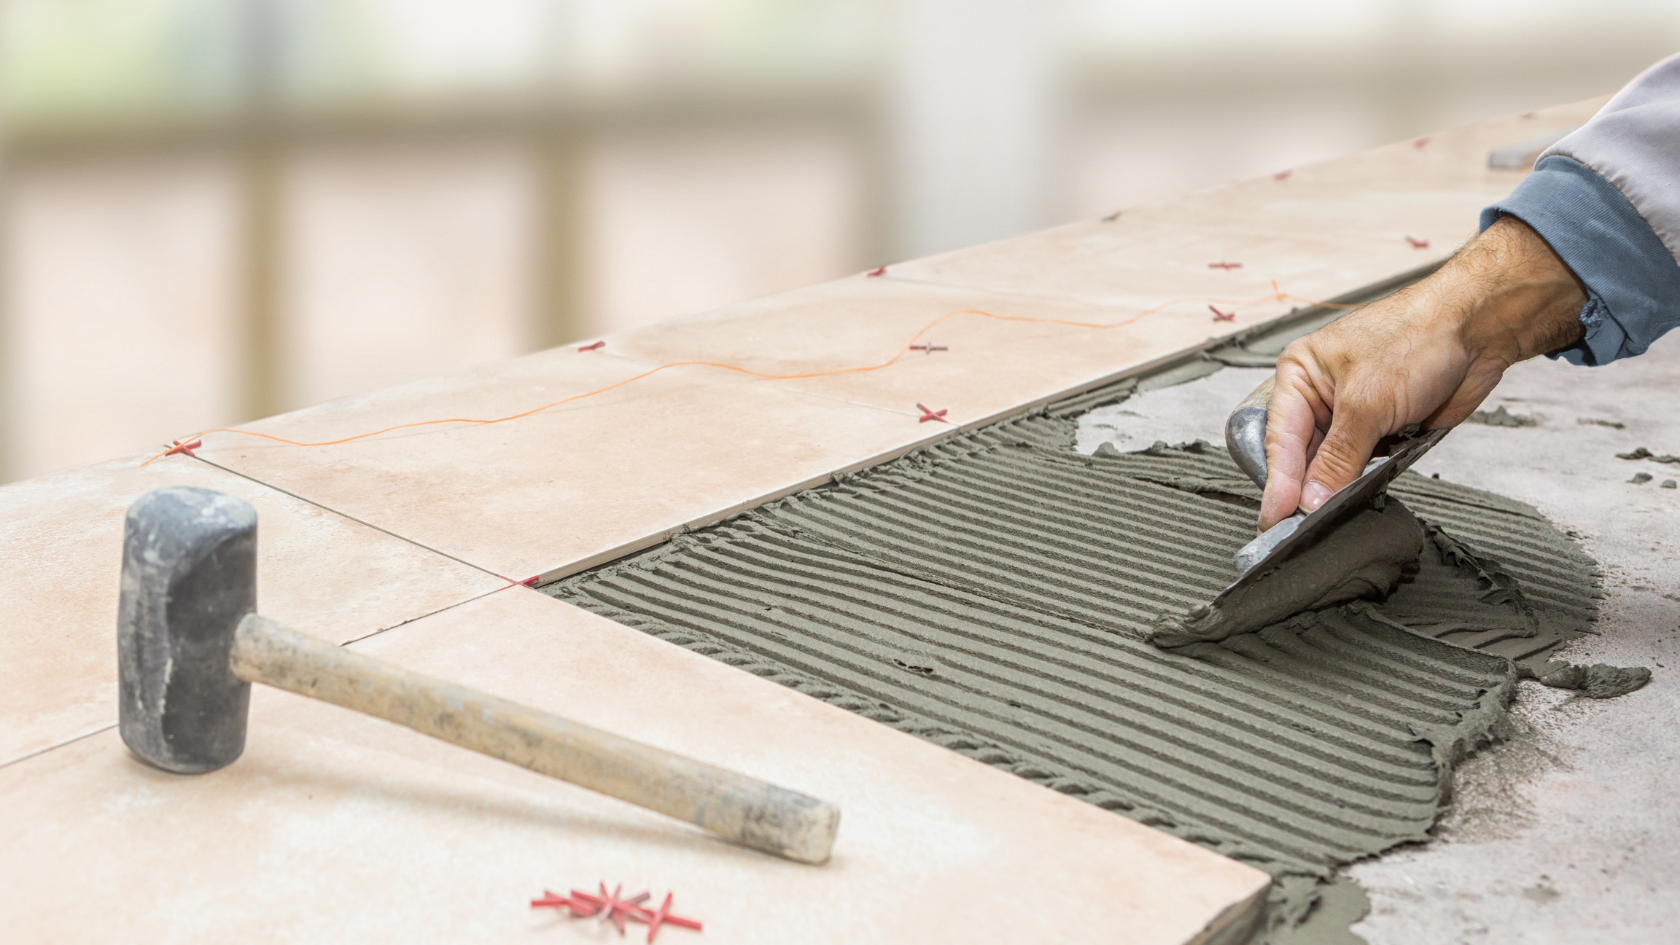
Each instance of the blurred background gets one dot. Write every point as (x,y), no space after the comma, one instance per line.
(216,210)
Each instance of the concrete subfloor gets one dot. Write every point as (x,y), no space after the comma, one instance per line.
(1567,832)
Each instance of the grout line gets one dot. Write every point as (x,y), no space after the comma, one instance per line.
(431,613)
(345,515)
(57,745)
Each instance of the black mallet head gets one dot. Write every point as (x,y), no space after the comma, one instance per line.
(189,575)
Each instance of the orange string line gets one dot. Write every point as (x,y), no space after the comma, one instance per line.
(1277,295)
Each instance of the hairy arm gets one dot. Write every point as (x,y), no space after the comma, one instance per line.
(1428,354)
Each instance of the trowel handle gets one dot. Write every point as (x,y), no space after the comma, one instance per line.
(1245,432)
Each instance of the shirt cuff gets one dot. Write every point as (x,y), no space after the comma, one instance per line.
(1632,283)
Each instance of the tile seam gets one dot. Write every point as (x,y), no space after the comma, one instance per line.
(57,745)
(359,521)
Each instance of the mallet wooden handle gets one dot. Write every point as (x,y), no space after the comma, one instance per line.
(728,804)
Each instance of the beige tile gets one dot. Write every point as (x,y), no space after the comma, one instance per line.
(1005,351)
(1455,158)
(1451,160)
(570,486)
(324,574)
(337,827)
(1321,207)
(1322,230)
(584,482)
(1139,263)
(1432,191)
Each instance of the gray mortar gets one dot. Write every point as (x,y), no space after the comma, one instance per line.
(991,593)
(1643,453)
(1502,418)
(1568,833)
(1565,832)
(1362,558)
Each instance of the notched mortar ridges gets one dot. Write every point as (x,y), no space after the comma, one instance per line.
(988,592)
(1416,704)
(1279,847)
(1077,675)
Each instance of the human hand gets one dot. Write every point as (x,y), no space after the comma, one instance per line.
(1428,354)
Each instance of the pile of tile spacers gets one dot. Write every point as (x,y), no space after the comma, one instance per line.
(615,908)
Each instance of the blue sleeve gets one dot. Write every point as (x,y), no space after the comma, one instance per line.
(1632,282)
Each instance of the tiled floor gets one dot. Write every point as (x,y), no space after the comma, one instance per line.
(576,484)
(337,827)
(993,352)
(335,822)
(319,572)
(1139,264)
(1319,231)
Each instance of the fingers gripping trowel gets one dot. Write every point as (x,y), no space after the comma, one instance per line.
(1265,587)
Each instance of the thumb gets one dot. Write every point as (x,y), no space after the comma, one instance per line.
(1342,456)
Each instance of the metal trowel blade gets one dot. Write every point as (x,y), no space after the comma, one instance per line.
(1273,547)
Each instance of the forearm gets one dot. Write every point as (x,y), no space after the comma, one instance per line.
(1604,198)
(1507,295)
(1428,354)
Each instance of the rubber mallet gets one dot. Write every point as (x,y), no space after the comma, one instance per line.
(189,645)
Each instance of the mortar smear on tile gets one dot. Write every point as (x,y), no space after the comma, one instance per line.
(991,593)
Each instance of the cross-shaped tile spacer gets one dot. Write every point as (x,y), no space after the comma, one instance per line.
(186,448)
(1418,244)
(610,907)
(1219,316)
(593,347)
(1227,266)
(662,916)
(928,413)
(929,348)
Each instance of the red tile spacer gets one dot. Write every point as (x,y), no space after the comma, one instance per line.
(877,271)
(1283,174)
(662,916)
(186,448)
(553,900)
(1420,142)
(596,345)
(1219,316)
(928,413)
(585,904)
(530,581)
(929,348)
(1418,244)
(1227,266)
(615,909)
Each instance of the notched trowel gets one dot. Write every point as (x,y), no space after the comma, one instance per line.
(1357,544)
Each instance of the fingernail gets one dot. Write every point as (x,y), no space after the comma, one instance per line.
(1313,495)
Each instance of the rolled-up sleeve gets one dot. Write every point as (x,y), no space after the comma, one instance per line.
(1606,198)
